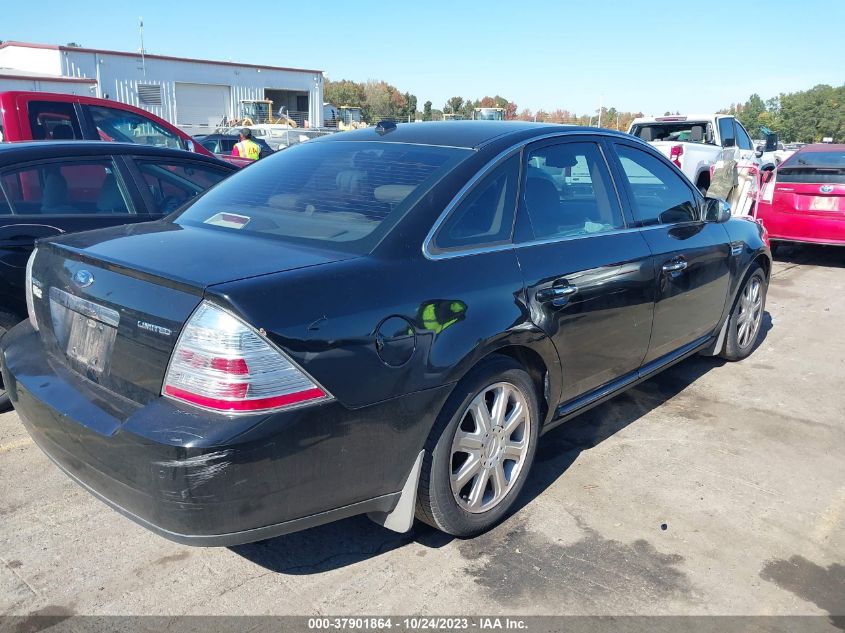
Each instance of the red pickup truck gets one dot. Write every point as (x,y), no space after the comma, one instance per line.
(27,116)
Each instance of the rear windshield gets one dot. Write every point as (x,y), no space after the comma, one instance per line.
(813,167)
(679,131)
(346,195)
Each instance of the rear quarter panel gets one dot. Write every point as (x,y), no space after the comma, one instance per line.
(749,246)
(327,318)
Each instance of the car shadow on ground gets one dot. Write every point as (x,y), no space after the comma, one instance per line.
(353,540)
(810,254)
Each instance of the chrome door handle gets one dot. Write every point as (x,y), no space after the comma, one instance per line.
(558,295)
(675,265)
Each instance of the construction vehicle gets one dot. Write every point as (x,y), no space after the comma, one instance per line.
(350,118)
(260,111)
(488,114)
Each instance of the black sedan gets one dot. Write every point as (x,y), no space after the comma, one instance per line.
(382,321)
(63,187)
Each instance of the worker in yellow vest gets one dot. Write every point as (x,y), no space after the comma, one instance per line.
(246,147)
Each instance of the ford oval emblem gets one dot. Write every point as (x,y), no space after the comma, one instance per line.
(826,188)
(83,278)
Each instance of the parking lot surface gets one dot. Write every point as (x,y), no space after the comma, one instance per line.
(713,488)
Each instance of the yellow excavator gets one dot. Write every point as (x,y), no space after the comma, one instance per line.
(260,111)
(350,118)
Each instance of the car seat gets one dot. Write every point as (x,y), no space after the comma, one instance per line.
(543,202)
(63,132)
(110,199)
(54,196)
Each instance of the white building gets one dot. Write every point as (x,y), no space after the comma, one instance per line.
(194,94)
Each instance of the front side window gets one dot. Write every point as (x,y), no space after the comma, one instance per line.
(212,146)
(568,192)
(742,138)
(66,188)
(485,216)
(53,121)
(346,195)
(126,127)
(726,131)
(659,195)
(171,184)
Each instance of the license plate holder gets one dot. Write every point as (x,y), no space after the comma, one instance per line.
(85,331)
(824,203)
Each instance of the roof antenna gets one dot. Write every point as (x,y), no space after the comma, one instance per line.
(141,30)
(385,126)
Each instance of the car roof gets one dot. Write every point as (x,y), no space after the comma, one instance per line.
(35,150)
(465,134)
(823,147)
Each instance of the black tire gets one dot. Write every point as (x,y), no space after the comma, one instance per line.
(738,345)
(436,503)
(5,403)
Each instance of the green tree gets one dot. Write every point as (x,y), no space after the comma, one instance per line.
(453,105)
(344,93)
(426,111)
(750,114)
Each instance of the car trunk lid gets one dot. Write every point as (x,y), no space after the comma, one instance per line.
(111,304)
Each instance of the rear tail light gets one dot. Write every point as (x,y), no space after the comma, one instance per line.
(33,289)
(221,363)
(675,154)
(767,190)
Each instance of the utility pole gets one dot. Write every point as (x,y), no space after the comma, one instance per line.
(600,98)
(141,31)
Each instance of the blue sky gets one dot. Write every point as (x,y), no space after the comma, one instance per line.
(651,56)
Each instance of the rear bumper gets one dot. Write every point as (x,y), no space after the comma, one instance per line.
(201,479)
(803,227)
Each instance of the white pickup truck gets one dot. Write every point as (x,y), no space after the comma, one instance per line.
(701,143)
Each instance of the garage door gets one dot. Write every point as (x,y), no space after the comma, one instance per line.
(201,104)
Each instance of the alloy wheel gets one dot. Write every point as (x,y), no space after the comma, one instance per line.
(490,447)
(750,312)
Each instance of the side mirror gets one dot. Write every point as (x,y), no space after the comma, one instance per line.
(189,145)
(771,142)
(716,210)
(758,153)
(729,142)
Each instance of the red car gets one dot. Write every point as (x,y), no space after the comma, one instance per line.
(45,116)
(803,200)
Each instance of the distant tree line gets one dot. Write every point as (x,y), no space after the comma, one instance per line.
(378,100)
(807,116)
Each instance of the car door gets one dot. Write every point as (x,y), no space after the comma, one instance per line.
(48,198)
(691,257)
(168,183)
(738,147)
(589,278)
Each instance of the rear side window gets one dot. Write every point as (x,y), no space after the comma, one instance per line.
(53,121)
(68,188)
(126,127)
(485,216)
(660,195)
(726,131)
(346,194)
(172,184)
(568,192)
